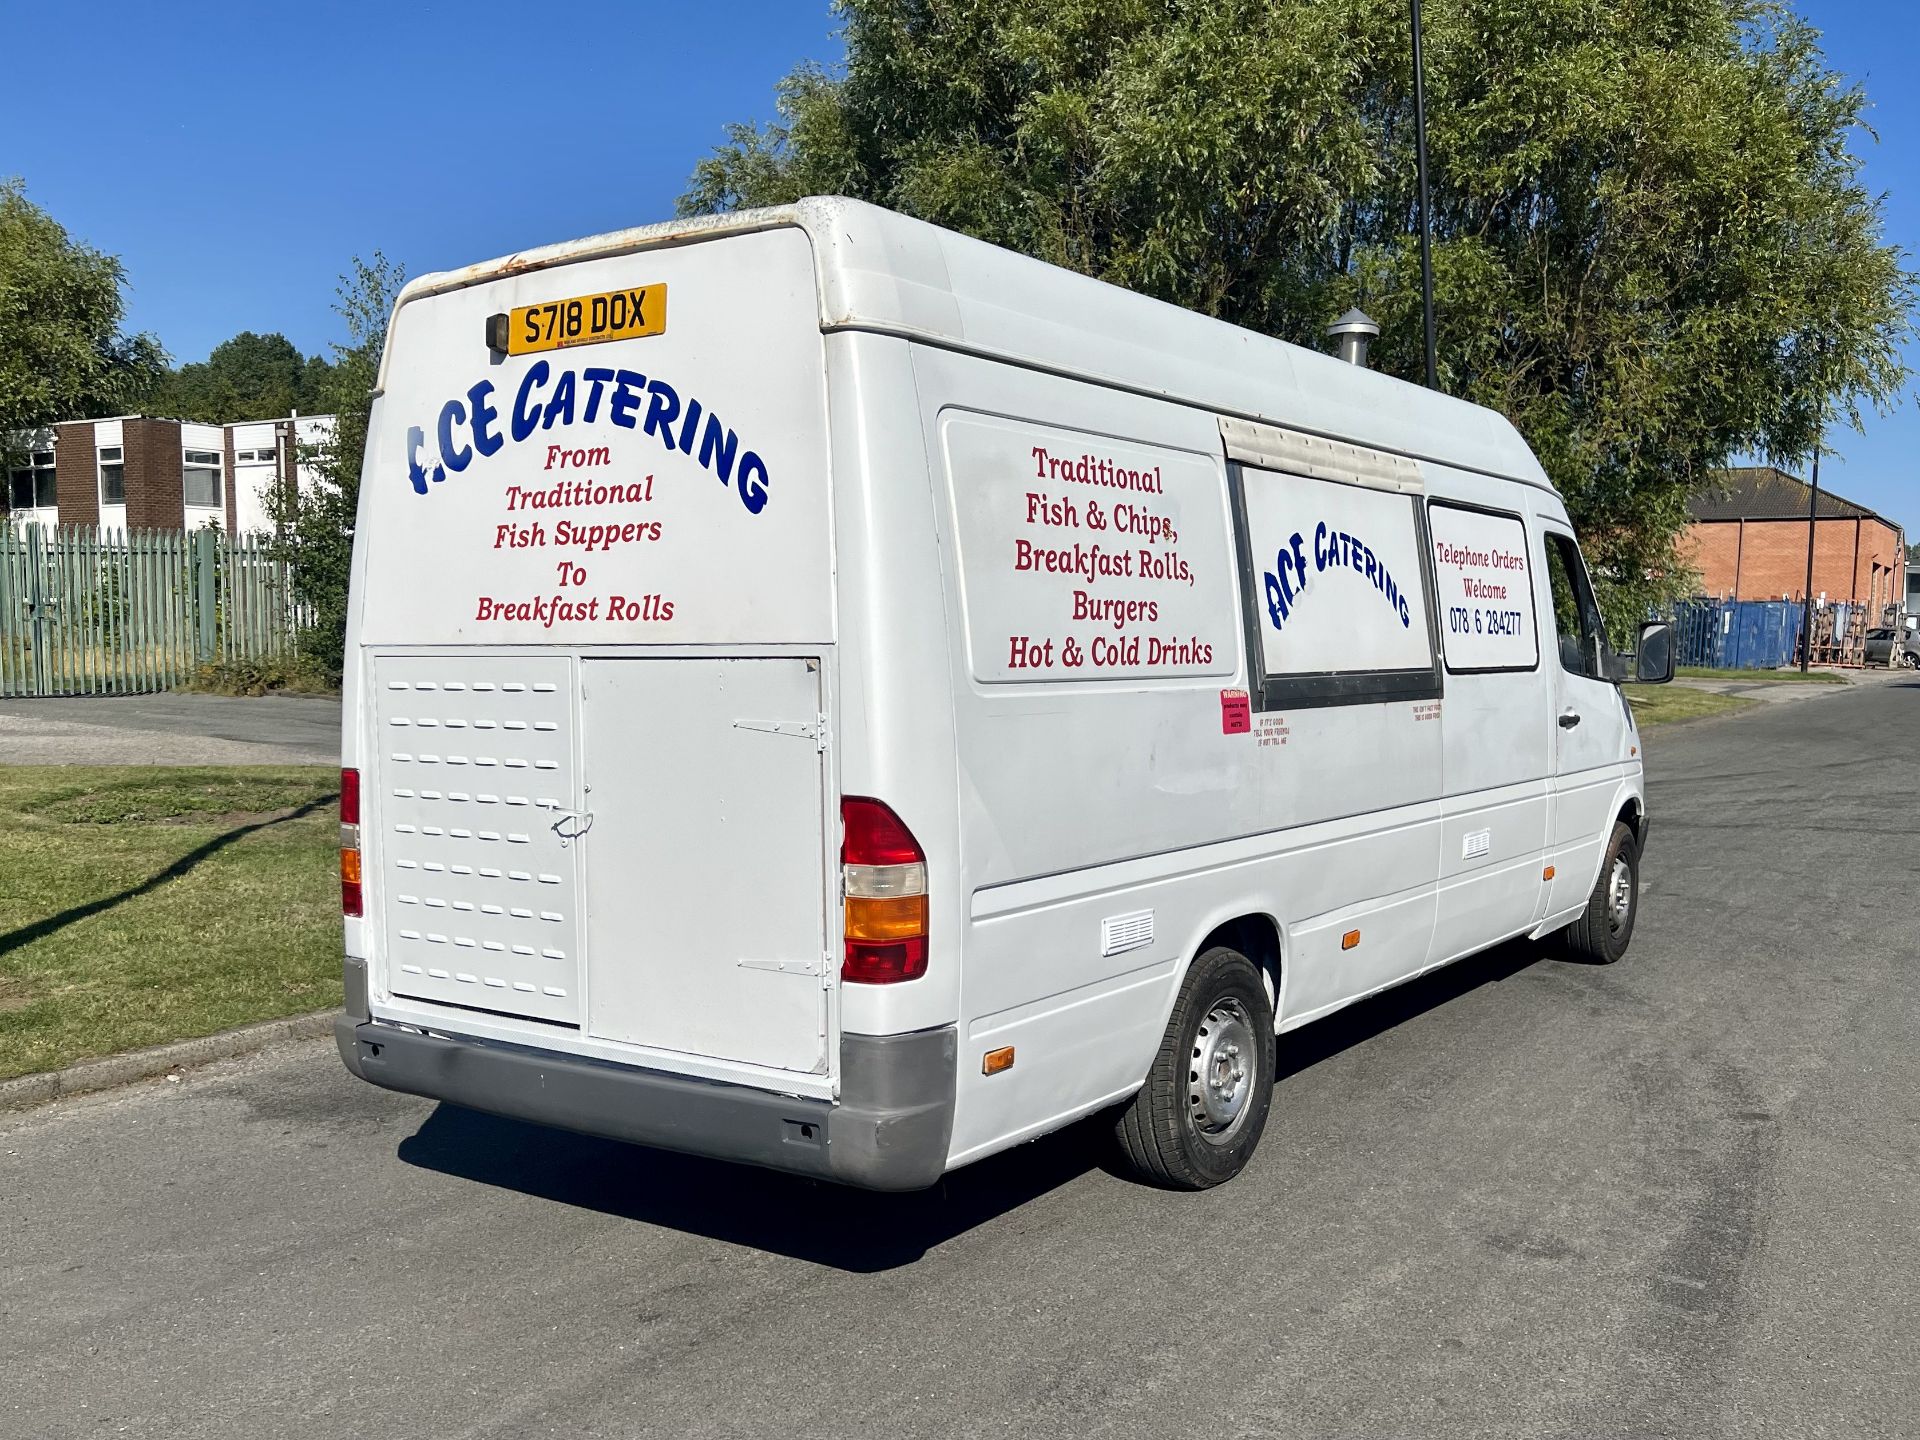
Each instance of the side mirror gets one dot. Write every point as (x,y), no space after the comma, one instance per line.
(1653,657)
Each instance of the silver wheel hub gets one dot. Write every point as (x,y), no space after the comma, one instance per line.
(1619,892)
(1221,1071)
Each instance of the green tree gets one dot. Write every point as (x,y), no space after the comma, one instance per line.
(1649,226)
(250,377)
(316,526)
(62,352)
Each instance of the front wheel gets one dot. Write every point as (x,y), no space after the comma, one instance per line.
(1195,1122)
(1601,934)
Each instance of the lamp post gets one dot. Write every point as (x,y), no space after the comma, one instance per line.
(1426,221)
(1813,529)
(1813,514)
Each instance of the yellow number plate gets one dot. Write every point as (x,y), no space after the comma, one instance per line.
(588,320)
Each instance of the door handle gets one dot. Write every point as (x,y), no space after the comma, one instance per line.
(1569,719)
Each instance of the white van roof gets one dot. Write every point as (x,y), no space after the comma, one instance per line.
(881,271)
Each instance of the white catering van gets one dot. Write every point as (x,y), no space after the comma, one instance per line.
(833,694)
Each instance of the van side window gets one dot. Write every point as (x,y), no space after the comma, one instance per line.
(1576,618)
(1087,557)
(1485,588)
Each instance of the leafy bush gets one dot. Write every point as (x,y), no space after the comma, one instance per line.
(267,675)
(316,524)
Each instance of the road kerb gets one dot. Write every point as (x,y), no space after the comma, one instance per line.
(115,1070)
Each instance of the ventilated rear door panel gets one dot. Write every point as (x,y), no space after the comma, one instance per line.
(707,931)
(479,896)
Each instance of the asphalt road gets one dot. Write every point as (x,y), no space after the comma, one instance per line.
(171,730)
(1679,1196)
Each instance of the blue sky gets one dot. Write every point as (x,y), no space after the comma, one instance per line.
(235,154)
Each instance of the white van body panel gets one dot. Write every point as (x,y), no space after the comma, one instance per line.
(1087,823)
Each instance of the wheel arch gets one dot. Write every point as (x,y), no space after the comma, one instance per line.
(1254,933)
(1632,812)
(1629,809)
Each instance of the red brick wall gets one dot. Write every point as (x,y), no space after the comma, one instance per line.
(154,496)
(1767,559)
(76,473)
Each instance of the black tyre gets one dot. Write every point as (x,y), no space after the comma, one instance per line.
(1601,934)
(1195,1122)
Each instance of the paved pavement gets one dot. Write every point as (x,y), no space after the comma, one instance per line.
(1766,684)
(1674,1197)
(171,730)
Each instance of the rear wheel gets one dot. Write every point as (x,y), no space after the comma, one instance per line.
(1195,1122)
(1601,934)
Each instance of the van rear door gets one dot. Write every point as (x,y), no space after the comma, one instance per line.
(474,764)
(705,859)
(594,610)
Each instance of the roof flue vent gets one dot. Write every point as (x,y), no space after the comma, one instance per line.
(1352,333)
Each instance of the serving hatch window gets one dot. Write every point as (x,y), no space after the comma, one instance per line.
(1334,571)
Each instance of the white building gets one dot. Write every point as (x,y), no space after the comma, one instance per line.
(268,455)
(139,472)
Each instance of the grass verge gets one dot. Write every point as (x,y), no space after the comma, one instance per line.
(1666,704)
(1784,677)
(146,904)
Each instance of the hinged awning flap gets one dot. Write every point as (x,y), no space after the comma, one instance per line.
(1293,451)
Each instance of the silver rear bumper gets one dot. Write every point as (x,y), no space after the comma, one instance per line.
(888,1131)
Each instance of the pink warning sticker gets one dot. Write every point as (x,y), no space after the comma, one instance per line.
(1236,712)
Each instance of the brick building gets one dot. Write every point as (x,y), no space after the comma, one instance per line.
(1748,540)
(138,472)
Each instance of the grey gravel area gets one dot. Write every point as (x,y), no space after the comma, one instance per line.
(1524,1198)
(170,730)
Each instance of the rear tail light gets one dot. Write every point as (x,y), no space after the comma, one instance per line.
(883,872)
(350,901)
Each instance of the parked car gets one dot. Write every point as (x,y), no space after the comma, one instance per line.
(1893,648)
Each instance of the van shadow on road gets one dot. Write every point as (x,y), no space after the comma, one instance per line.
(855,1230)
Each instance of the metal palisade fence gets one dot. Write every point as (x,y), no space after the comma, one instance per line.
(85,611)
